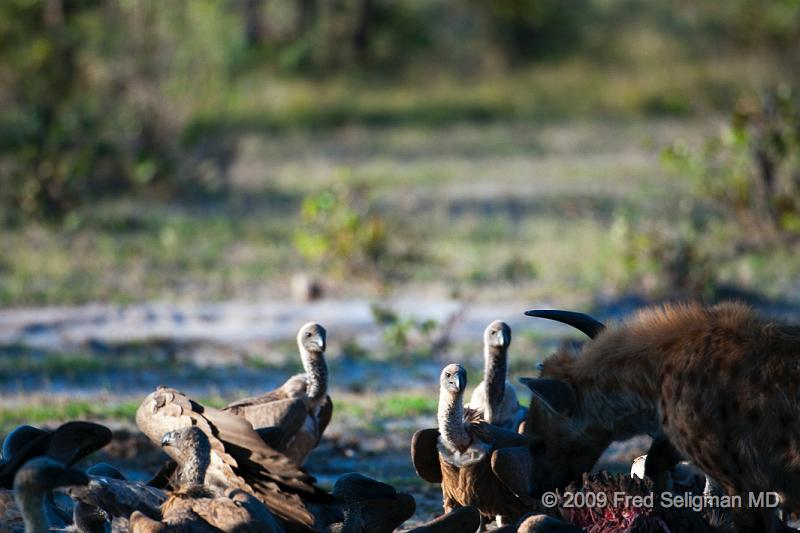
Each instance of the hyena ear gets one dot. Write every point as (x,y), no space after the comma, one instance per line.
(556,395)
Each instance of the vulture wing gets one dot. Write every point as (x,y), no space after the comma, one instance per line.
(240,458)
(325,414)
(513,467)
(425,455)
(68,444)
(73,441)
(119,498)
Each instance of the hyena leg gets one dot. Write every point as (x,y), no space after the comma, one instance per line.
(661,458)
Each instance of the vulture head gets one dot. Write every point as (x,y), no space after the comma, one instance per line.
(193,452)
(497,335)
(311,339)
(453,379)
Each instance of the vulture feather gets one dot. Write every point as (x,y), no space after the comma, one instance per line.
(197,506)
(494,395)
(478,464)
(239,458)
(293,417)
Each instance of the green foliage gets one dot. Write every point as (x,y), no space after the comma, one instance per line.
(75,131)
(752,168)
(344,234)
(665,258)
(404,337)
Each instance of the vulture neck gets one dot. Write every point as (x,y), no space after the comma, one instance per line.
(31,504)
(316,374)
(451,421)
(193,470)
(494,379)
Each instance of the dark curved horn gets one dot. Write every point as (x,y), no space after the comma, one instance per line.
(583,323)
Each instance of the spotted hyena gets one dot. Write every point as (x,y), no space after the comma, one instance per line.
(719,384)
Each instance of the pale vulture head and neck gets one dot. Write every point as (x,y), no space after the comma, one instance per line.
(311,342)
(452,384)
(193,454)
(496,340)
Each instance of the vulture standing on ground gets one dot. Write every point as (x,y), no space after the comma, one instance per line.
(477,463)
(197,506)
(33,481)
(239,458)
(494,395)
(293,417)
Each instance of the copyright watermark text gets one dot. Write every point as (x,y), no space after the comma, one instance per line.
(686,500)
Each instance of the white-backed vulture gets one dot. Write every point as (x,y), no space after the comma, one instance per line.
(477,463)
(494,395)
(293,417)
(239,458)
(196,506)
(33,481)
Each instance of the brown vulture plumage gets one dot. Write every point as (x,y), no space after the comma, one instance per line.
(239,458)
(293,417)
(494,395)
(477,463)
(197,506)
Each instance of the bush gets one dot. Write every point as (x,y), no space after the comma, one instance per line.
(345,235)
(752,169)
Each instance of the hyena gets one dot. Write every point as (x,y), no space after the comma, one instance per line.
(719,384)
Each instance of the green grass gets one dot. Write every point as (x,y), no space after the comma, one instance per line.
(395,405)
(550,91)
(513,209)
(54,411)
(61,412)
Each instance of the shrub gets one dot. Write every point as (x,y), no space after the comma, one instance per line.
(751,170)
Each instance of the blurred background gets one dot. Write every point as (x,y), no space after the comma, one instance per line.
(183,184)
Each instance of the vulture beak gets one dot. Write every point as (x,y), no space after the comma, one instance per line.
(319,342)
(459,382)
(166,440)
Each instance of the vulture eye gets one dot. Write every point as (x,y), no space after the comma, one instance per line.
(308,333)
(447,374)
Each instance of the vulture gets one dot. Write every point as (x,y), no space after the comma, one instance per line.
(197,506)
(293,417)
(239,458)
(494,395)
(459,520)
(33,481)
(370,506)
(109,497)
(476,463)
(68,444)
